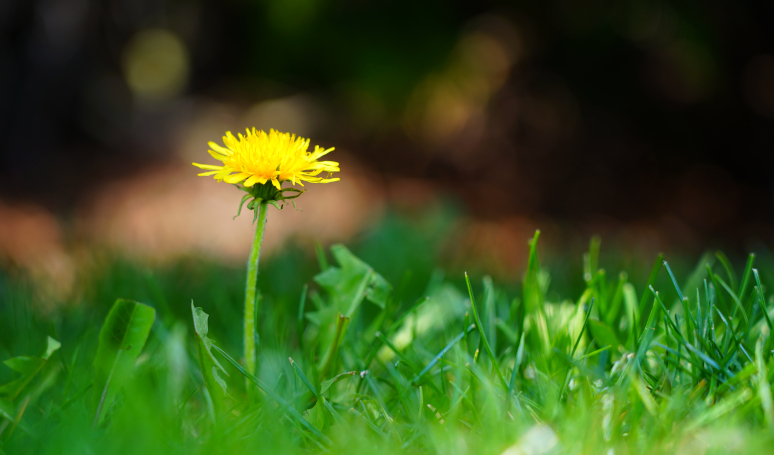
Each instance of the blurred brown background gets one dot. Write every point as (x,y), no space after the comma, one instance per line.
(648,122)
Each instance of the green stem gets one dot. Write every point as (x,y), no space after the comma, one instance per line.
(251,287)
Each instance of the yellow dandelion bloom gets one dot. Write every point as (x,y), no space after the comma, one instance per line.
(260,157)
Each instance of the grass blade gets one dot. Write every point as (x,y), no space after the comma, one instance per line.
(746,276)
(483,334)
(651,281)
(728,268)
(440,355)
(268,391)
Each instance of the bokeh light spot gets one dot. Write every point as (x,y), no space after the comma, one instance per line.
(156,65)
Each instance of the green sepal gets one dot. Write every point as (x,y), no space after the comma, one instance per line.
(269,193)
(239,212)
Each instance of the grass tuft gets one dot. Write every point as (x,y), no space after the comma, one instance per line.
(350,364)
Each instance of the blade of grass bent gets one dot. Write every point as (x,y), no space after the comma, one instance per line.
(303,377)
(746,275)
(575,346)
(764,309)
(714,281)
(440,355)
(483,334)
(728,268)
(266,389)
(651,281)
(393,327)
(735,298)
(647,333)
(516,366)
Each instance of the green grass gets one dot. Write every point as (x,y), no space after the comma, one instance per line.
(383,351)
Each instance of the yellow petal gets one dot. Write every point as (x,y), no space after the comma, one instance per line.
(230,141)
(208,166)
(217,155)
(204,174)
(252,180)
(319,179)
(276,184)
(236,178)
(220,149)
(319,151)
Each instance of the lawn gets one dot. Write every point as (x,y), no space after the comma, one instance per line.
(378,346)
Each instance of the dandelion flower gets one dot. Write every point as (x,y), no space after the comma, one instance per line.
(259,157)
(251,162)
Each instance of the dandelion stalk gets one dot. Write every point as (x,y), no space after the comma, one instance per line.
(259,163)
(251,303)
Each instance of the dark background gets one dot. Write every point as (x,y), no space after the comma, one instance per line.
(583,112)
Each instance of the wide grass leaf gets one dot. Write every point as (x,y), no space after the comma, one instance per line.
(121,339)
(347,286)
(352,281)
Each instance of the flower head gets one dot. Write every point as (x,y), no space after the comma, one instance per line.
(260,157)
(259,162)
